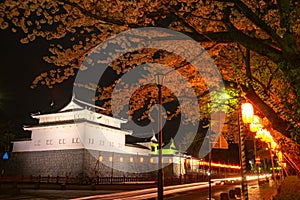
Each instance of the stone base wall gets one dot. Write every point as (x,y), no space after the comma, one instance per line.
(44,163)
(80,162)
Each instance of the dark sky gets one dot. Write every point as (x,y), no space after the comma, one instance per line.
(20,64)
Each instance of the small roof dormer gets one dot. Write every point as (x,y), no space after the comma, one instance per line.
(153,139)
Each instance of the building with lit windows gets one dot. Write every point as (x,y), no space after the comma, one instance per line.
(77,141)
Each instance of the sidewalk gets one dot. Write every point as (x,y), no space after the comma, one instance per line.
(265,191)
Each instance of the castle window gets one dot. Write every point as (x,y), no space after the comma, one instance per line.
(111,144)
(62,141)
(151,160)
(91,140)
(49,142)
(75,140)
(100,158)
(101,142)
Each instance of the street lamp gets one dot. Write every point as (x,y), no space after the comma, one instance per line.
(210,172)
(266,137)
(211,145)
(247,113)
(255,126)
(159,78)
(279,156)
(247,117)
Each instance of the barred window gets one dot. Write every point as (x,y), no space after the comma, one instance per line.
(62,141)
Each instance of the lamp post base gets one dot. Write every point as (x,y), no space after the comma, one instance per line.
(160,185)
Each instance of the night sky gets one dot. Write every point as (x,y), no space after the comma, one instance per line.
(20,64)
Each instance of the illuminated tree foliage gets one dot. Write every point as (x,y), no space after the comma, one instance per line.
(254,43)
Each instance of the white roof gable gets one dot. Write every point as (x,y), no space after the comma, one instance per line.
(72,105)
(78,104)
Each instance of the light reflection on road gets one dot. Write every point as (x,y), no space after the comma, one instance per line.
(169,190)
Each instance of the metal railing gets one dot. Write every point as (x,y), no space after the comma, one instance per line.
(75,180)
(97,180)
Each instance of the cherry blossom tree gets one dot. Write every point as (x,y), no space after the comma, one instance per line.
(254,43)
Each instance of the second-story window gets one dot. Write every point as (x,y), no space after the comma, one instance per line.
(49,142)
(75,140)
(91,140)
(62,141)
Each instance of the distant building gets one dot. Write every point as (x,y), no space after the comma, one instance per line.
(77,141)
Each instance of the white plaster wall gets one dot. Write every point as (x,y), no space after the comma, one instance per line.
(80,114)
(74,136)
(77,135)
(20,146)
(103,138)
(52,138)
(133,150)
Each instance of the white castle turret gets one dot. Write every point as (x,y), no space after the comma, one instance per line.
(75,127)
(72,140)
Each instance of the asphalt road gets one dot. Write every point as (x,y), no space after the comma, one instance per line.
(263,192)
(203,194)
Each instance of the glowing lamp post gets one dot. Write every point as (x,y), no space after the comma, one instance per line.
(247,113)
(266,137)
(159,78)
(279,156)
(247,117)
(255,126)
(257,160)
